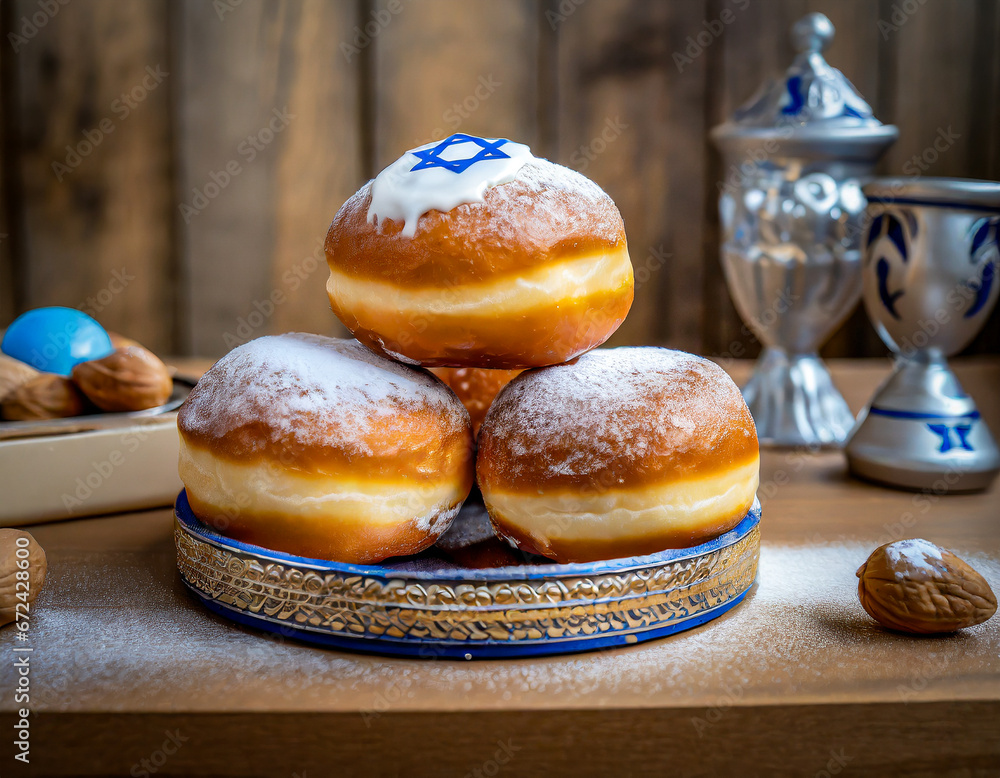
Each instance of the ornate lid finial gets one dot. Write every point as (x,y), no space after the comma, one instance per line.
(812,33)
(811,108)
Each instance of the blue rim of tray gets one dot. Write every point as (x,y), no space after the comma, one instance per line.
(383,644)
(437,650)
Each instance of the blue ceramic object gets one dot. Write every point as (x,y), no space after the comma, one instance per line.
(55,339)
(426,606)
(931,257)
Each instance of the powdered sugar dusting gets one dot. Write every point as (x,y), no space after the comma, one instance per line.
(440,515)
(314,390)
(535,200)
(917,554)
(625,403)
(541,174)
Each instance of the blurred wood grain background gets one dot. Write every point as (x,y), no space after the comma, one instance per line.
(172,167)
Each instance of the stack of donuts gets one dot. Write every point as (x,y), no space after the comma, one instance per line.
(501,273)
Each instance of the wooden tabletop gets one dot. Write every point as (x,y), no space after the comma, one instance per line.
(130,675)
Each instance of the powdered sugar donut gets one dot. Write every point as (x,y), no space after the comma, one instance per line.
(316,446)
(471,252)
(618,453)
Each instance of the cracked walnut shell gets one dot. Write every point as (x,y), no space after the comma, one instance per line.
(915,586)
(127,379)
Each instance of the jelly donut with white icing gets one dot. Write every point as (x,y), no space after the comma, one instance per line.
(471,252)
(621,452)
(317,447)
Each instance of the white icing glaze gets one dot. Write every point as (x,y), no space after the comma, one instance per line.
(403,194)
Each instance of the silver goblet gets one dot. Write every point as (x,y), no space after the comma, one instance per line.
(791,212)
(932,251)
(792,263)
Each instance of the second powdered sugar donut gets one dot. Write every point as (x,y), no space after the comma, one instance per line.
(317,447)
(619,453)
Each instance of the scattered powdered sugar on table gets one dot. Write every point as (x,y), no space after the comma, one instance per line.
(317,390)
(800,631)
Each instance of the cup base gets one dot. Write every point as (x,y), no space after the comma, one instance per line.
(922,432)
(794,403)
(901,476)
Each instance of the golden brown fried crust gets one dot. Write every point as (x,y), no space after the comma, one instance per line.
(693,424)
(476,387)
(419,446)
(354,543)
(315,417)
(415,439)
(515,228)
(546,335)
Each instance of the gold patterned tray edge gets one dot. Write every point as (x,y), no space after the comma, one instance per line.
(400,607)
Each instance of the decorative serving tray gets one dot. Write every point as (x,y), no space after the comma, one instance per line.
(427,605)
(90,465)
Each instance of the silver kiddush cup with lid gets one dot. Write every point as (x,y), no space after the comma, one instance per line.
(792,211)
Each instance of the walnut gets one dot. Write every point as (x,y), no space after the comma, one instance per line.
(128,379)
(916,586)
(13,373)
(22,572)
(46,396)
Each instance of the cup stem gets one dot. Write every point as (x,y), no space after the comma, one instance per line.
(794,402)
(922,431)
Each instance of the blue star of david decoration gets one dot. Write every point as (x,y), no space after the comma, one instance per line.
(943,431)
(430,158)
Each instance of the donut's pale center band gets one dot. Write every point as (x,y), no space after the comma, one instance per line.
(541,287)
(614,514)
(265,489)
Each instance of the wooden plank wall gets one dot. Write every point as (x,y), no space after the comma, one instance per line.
(172,166)
(87,163)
